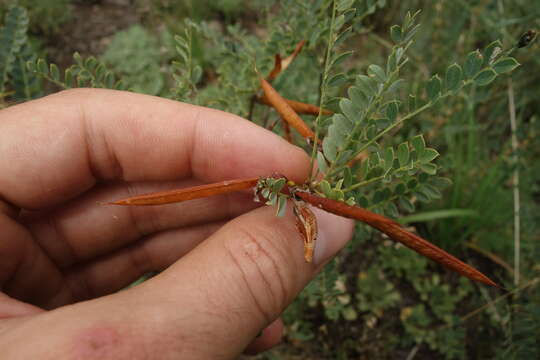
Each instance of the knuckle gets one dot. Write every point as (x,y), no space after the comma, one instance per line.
(263,267)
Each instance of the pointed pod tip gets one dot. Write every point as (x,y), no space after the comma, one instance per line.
(487,281)
(105,203)
(118,202)
(503,289)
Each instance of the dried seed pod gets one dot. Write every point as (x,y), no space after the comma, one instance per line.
(527,38)
(397,233)
(286,111)
(306,222)
(282,64)
(195,192)
(298,106)
(276,70)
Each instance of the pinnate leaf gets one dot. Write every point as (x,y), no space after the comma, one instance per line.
(433,88)
(403,154)
(505,65)
(396,34)
(453,77)
(376,72)
(428,155)
(485,77)
(473,63)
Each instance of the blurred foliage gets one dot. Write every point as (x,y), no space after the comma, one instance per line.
(135,55)
(46,16)
(12,39)
(377,299)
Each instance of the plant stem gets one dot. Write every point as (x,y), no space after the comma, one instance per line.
(482,308)
(515,181)
(329,47)
(367,182)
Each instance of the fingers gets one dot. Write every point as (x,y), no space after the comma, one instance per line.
(25,272)
(242,277)
(105,274)
(59,146)
(110,273)
(209,305)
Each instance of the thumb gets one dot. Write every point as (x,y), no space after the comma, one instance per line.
(209,305)
(240,280)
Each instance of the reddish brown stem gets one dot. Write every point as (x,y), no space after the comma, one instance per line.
(195,192)
(286,111)
(396,232)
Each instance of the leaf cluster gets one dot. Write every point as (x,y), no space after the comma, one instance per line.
(270,190)
(47,16)
(188,73)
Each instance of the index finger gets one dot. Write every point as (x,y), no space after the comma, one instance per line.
(59,146)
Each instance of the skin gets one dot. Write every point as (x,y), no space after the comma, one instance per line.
(229,267)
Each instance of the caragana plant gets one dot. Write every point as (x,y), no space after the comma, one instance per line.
(356,171)
(353,169)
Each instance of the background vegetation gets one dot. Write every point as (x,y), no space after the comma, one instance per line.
(377,300)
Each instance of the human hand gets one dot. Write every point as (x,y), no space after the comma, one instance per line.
(228,268)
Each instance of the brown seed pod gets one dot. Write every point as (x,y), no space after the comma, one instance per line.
(306,222)
(286,111)
(397,233)
(195,192)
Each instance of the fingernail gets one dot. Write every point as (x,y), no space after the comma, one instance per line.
(333,234)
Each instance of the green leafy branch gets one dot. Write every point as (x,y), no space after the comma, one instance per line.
(25,86)
(88,72)
(188,74)
(371,111)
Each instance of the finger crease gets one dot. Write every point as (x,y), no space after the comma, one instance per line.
(134,223)
(78,284)
(61,238)
(266,316)
(86,139)
(280,277)
(116,168)
(140,259)
(193,146)
(113,169)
